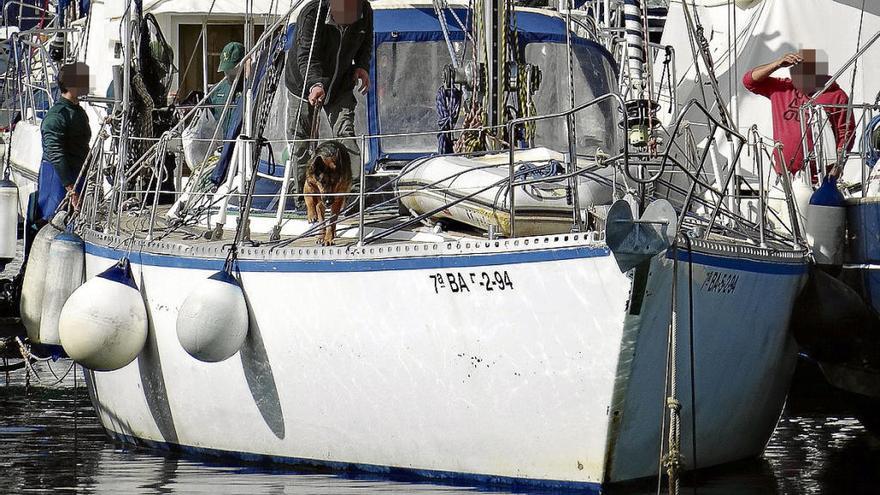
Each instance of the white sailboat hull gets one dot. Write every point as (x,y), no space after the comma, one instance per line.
(374,364)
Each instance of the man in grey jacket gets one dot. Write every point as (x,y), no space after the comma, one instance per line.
(329,59)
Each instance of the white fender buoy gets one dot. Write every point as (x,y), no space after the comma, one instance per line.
(826,223)
(31,305)
(64,274)
(802,193)
(103,325)
(8,220)
(213,320)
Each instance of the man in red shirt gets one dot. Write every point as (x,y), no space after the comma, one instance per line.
(808,75)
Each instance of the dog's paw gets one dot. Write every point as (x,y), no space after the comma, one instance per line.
(326,240)
(312,219)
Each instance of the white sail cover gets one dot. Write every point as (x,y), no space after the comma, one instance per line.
(115,9)
(765,31)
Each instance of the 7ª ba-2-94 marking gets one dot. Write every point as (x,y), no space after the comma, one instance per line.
(457,282)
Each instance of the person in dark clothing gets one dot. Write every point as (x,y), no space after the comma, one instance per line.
(66,136)
(330,58)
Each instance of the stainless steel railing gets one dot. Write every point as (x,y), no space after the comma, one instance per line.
(656,169)
(571,158)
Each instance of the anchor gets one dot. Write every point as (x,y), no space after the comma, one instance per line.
(634,241)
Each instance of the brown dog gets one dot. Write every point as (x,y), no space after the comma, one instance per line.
(329,173)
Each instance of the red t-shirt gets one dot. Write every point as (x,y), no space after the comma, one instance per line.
(785,103)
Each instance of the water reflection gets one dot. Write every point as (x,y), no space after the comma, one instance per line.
(753,477)
(52,442)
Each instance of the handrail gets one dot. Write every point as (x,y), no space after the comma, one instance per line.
(624,155)
(512,124)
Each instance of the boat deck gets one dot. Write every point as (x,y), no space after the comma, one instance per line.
(303,234)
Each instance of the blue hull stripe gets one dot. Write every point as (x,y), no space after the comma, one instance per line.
(418,263)
(747,265)
(430,262)
(384,472)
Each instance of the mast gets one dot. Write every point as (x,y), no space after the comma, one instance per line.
(249,170)
(493,37)
(637,55)
(248,78)
(122,159)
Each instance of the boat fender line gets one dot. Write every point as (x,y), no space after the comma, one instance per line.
(212,322)
(31,305)
(8,220)
(103,325)
(28,360)
(64,274)
(826,223)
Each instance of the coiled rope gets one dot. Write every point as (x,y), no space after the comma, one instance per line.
(448,109)
(869,143)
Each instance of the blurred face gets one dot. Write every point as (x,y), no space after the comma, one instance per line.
(76,78)
(232,73)
(345,12)
(806,75)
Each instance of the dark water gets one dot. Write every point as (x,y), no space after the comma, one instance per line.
(51,442)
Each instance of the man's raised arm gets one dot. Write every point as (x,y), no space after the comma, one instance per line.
(762,72)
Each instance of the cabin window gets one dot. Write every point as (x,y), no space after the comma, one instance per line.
(593,77)
(409,74)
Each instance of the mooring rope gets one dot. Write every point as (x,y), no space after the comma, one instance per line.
(448,109)
(30,359)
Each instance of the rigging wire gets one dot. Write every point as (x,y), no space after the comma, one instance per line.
(735,87)
(470,141)
(849,108)
(730,74)
(692,43)
(444,28)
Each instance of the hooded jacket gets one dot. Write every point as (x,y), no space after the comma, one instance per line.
(337,51)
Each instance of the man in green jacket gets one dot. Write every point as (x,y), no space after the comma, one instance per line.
(66,137)
(231,55)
